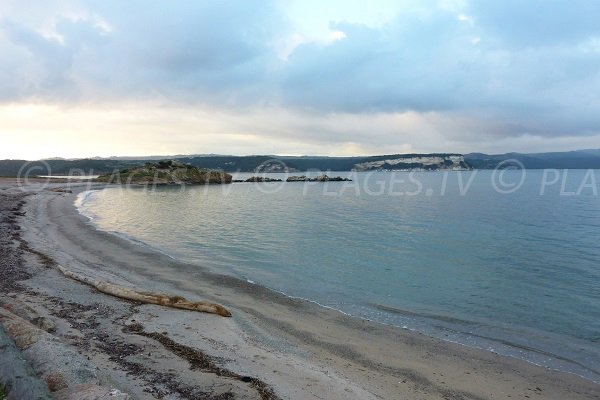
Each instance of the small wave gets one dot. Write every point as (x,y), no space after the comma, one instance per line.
(83,198)
(139,242)
(407,313)
(467,337)
(81,204)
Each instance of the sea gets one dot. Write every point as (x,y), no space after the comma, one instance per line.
(507,261)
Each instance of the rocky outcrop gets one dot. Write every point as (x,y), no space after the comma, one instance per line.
(325,178)
(62,371)
(19,380)
(321,178)
(24,311)
(262,179)
(414,162)
(166,173)
(301,178)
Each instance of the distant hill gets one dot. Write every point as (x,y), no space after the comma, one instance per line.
(62,167)
(579,159)
(265,163)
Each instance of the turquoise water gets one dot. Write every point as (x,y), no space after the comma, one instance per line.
(446,254)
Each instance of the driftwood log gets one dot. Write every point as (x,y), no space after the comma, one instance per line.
(147,297)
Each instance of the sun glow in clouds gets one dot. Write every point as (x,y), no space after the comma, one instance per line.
(84,78)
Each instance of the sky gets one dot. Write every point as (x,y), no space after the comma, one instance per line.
(82,78)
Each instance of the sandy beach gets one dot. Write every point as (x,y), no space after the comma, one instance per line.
(272,347)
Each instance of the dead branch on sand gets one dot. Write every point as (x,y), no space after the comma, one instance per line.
(147,297)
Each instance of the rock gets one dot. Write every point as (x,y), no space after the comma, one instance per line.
(297,179)
(56,382)
(320,178)
(18,377)
(24,311)
(166,173)
(338,179)
(59,365)
(91,392)
(44,324)
(262,179)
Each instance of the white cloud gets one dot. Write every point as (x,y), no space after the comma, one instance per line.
(336,35)
(460,74)
(466,19)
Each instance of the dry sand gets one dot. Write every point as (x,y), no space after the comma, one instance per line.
(272,347)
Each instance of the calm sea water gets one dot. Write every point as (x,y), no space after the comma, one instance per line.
(451,254)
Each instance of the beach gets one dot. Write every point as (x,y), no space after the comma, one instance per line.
(273,346)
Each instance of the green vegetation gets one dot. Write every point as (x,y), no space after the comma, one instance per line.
(585,159)
(211,162)
(2,391)
(166,172)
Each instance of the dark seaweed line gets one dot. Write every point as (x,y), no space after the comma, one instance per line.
(203,362)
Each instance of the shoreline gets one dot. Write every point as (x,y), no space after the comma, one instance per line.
(340,356)
(420,323)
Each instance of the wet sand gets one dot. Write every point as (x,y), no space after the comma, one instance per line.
(294,348)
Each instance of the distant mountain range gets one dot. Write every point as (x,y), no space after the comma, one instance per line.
(97,166)
(580,159)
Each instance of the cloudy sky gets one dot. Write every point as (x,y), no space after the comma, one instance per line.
(331,77)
